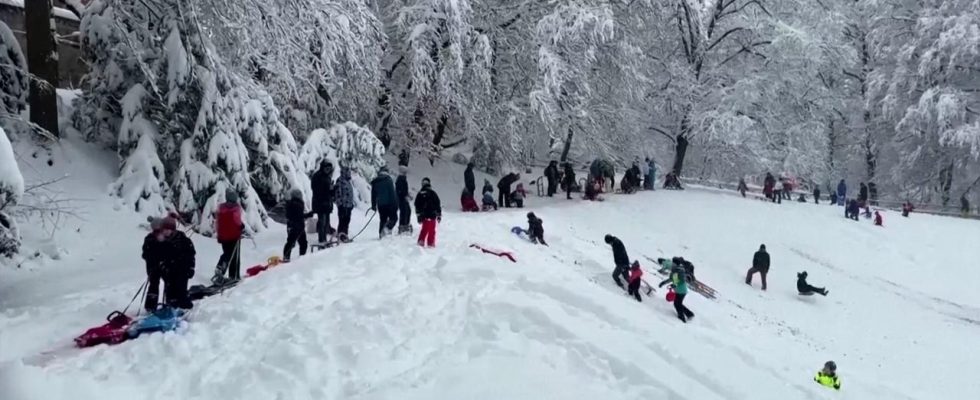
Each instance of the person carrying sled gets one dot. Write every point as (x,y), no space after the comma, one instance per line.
(535,229)
(467,201)
(169,256)
(503,186)
(404,207)
(551,175)
(678,280)
(322,204)
(828,376)
(620,259)
(805,288)
(635,278)
(429,212)
(344,198)
(742,187)
(760,264)
(384,200)
(296,216)
(229,227)
(518,195)
(569,180)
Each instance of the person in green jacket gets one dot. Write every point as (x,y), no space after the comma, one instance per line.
(678,281)
(828,376)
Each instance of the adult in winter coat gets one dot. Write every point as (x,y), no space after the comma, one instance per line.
(384,200)
(636,275)
(636,175)
(551,175)
(805,288)
(503,186)
(841,192)
(344,198)
(404,207)
(628,183)
(863,194)
(296,216)
(760,264)
(169,256)
(535,229)
(678,280)
(742,187)
(322,205)
(768,185)
(428,208)
(229,227)
(816,195)
(828,376)
(569,180)
(651,178)
(469,181)
(620,259)
(873,193)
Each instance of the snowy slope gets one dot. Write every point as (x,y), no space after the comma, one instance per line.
(380,320)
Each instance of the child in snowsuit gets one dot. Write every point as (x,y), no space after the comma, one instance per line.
(828,376)
(535,229)
(634,286)
(760,264)
(488,202)
(467,202)
(296,216)
(805,288)
(518,195)
(429,211)
(878,220)
(169,256)
(229,227)
(678,280)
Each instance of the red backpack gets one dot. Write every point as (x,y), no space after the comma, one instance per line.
(229,221)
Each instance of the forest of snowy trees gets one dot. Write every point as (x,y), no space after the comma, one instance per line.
(201,95)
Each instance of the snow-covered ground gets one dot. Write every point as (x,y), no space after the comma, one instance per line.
(382,320)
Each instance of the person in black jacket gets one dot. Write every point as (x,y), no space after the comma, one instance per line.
(503,187)
(169,256)
(816,194)
(429,211)
(535,229)
(469,181)
(296,216)
(760,264)
(551,174)
(569,182)
(806,288)
(384,200)
(620,258)
(404,208)
(322,204)
(863,195)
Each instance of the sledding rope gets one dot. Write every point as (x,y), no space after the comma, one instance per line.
(365,226)
(142,290)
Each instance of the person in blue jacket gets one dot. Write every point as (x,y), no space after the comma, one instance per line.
(841,193)
(385,201)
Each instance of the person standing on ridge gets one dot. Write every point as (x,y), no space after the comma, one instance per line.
(344,197)
(169,256)
(551,174)
(404,208)
(429,211)
(760,264)
(863,195)
(322,204)
(229,229)
(651,178)
(742,187)
(620,259)
(384,200)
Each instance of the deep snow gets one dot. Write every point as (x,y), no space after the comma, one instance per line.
(380,320)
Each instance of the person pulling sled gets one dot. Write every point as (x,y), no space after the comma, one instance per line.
(806,289)
(169,256)
(229,227)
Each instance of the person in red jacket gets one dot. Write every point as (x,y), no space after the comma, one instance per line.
(634,287)
(229,231)
(878,220)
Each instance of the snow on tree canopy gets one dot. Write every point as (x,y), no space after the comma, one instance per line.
(346,144)
(11,181)
(142,179)
(14,80)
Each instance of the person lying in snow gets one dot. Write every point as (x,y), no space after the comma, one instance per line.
(805,288)
(535,229)
(828,376)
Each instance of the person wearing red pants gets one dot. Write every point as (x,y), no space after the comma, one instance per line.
(429,212)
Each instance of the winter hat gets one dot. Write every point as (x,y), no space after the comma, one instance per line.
(426,182)
(296,194)
(830,365)
(168,223)
(530,215)
(403,169)
(609,238)
(762,247)
(231,195)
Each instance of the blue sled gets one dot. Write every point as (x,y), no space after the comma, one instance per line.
(163,320)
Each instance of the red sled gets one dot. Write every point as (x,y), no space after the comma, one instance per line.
(503,254)
(671,296)
(112,332)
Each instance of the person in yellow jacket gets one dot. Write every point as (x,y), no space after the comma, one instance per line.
(828,376)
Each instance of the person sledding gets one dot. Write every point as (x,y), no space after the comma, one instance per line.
(467,202)
(635,278)
(620,259)
(429,211)
(805,288)
(828,376)
(760,264)
(296,216)
(535,229)
(169,256)
(678,281)
(229,227)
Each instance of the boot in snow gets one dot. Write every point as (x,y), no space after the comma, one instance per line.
(404,229)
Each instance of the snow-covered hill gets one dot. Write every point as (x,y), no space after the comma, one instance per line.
(382,320)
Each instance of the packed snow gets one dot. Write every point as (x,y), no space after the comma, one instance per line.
(386,319)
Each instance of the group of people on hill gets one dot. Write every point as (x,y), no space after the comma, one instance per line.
(680,273)
(760,265)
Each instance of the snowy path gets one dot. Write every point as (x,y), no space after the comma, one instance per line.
(380,320)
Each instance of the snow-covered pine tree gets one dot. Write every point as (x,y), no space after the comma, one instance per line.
(14,79)
(11,188)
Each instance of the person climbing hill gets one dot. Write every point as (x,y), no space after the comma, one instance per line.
(805,288)
(635,279)
(760,264)
(678,280)
(384,200)
(323,191)
(404,207)
(535,229)
(296,216)
(620,259)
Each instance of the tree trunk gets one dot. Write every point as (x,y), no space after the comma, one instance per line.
(680,151)
(42,62)
(567,146)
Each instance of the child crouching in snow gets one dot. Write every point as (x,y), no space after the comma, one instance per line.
(535,229)
(828,376)
(634,287)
